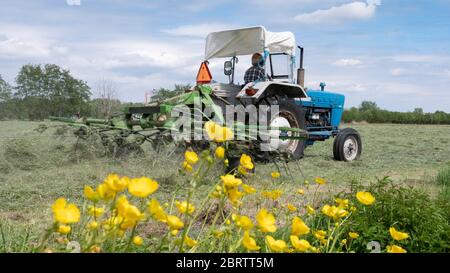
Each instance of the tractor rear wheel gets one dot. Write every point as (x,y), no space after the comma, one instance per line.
(289,115)
(347,145)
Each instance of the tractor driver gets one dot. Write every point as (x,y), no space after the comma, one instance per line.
(256,72)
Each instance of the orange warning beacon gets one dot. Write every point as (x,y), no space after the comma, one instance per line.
(204,75)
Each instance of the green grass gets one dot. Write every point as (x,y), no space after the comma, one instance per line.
(443,177)
(35,168)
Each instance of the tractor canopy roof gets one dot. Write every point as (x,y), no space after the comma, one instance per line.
(246,41)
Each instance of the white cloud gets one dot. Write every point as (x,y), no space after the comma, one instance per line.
(147,53)
(19,41)
(347,62)
(346,12)
(417,58)
(14,47)
(200,30)
(398,72)
(73,2)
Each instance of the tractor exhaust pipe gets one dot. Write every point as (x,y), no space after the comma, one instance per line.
(301,70)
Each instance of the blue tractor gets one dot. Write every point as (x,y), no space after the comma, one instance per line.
(316,112)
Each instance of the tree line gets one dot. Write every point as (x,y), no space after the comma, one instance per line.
(47,90)
(369,112)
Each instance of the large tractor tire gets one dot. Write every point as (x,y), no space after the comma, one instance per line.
(347,145)
(290,115)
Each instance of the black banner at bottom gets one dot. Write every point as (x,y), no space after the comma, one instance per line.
(221,262)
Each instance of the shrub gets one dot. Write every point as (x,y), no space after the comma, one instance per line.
(424,219)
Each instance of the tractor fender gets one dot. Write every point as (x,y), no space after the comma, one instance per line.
(267,88)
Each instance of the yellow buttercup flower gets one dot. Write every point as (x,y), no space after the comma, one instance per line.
(105,192)
(249,243)
(320,180)
(187,167)
(230,180)
(310,210)
(353,235)
(291,207)
(112,222)
(156,211)
(274,195)
(92,225)
(275,175)
(190,242)
(246,162)
(299,227)
(132,213)
(301,191)
(65,213)
(300,245)
(137,240)
(234,195)
(276,245)
(242,170)
(395,249)
(248,189)
(191,157)
(320,234)
(142,187)
(218,133)
(342,203)
(211,128)
(398,235)
(64,229)
(116,183)
(334,212)
(128,211)
(216,194)
(96,211)
(220,152)
(224,134)
(243,222)
(91,194)
(184,207)
(365,198)
(174,223)
(266,221)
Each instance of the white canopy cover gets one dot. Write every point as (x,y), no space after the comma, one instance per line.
(246,41)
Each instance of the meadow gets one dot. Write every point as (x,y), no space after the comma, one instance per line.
(36,168)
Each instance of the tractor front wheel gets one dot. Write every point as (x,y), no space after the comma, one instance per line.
(347,145)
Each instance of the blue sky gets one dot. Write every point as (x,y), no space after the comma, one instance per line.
(394,52)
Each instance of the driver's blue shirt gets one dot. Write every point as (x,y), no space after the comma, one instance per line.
(254,73)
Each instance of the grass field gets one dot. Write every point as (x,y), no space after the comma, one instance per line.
(37,168)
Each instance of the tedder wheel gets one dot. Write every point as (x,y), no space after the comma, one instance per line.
(293,116)
(347,145)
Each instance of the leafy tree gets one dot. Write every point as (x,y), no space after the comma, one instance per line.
(368,106)
(5,90)
(163,93)
(50,90)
